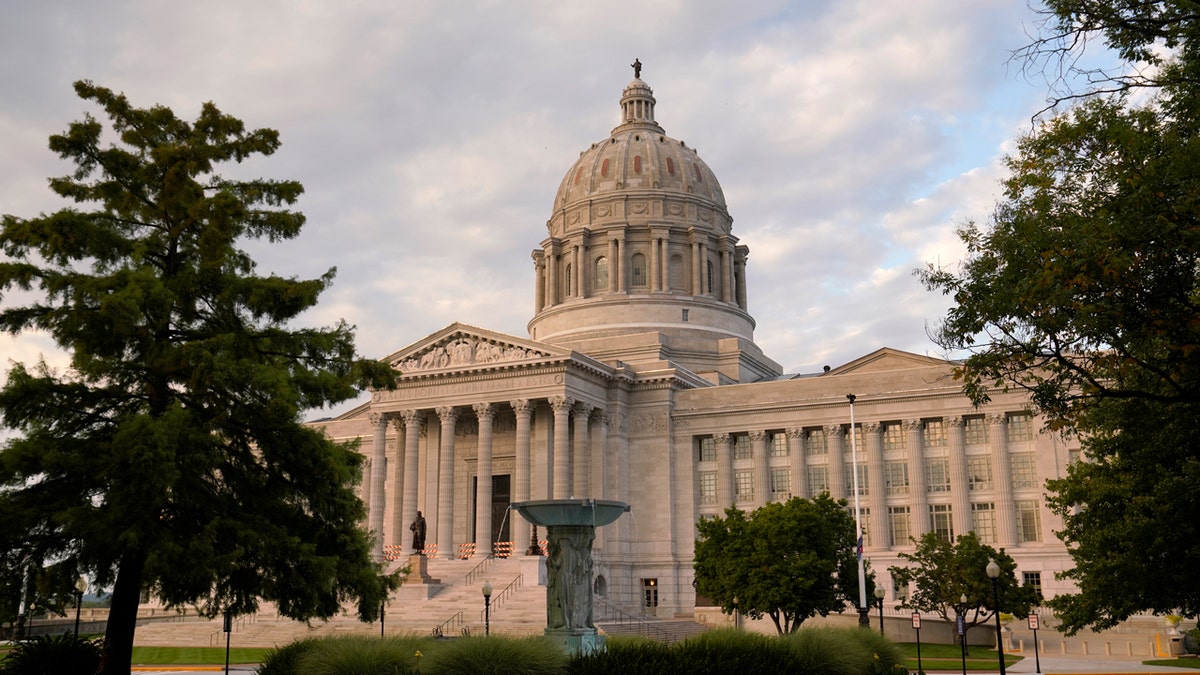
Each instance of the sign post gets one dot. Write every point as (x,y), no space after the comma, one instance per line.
(1033,626)
(916,624)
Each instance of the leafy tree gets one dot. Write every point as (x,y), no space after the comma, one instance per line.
(1084,289)
(790,560)
(941,573)
(170,456)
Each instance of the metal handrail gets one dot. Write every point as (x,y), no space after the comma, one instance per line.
(504,594)
(483,565)
(456,620)
(624,618)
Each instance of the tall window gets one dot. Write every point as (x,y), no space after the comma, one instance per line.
(934,434)
(709,278)
(893,437)
(818,479)
(570,277)
(741,446)
(899,525)
(979,472)
(983,521)
(1020,428)
(940,521)
(779,444)
(1029,520)
(814,442)
(1033,580)
(897,477)
(1024,470)
(708,487)
(600,277)
(937,474)
(637,270)
(865,516)
(706,449)
(743,485)
(975,431)
(899,591)
(781,484)
(862,479)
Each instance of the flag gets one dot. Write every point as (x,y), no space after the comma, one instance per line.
(860,546)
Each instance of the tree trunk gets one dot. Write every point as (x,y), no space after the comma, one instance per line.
(122,615)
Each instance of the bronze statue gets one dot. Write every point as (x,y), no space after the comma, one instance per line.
(418,530)
(637,69)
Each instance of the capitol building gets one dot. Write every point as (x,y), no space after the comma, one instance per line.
(640,381)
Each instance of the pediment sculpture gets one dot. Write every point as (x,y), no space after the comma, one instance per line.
(465,350)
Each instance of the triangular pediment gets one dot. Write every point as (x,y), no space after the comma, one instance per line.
(461,346)
(888,359)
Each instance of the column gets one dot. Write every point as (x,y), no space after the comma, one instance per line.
(795,440)
(408,510)
(762,478)
(445,515)
(724,470)
(581,453)
(919,504)
(835,443)
(697,273)
(600,451)
(1006,516)
(539,286)
(960,497)
(655,262)
(664,264)
(378,499)
(577,282)
(429,499)
(521,476)
(620,269)
(562,462)
(552,274)
(877,484)
(726,273)
(395,508)
(739,274)
(486,414)
(613,267)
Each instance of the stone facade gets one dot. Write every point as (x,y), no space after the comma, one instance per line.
(642,383)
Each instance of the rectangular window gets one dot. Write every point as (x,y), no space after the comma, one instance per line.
(706,449)
(940,521)
(741,446)
(983,522)
(743,485)
(937,474)
(708,487)
(865,516)
(1029,520)
(1024,470)
(857,439)
(975,431)
(900,591)
(779,444)
(1074,455)
(649,593)
(893,437)
(934,434)
(818,479)
(781,484)
(1032,580)
(979,472)
(814,442)
(899,525)
(896,472)
(862,479)
(1020,428)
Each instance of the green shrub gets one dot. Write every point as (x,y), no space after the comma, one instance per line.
(53,654)
(843,651)
(495,656)
(627,655)
(352,655)
(732,651)
(285,660)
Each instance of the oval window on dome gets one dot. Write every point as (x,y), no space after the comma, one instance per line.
(696,170)
(578,175)
(670,166)
(637,163)
(604,168)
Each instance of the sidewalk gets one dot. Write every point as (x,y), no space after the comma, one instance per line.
(1053,665)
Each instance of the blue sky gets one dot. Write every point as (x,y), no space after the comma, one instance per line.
(850,138)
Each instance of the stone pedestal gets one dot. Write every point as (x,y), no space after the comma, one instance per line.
(582,641)
(419,585)
(534,567)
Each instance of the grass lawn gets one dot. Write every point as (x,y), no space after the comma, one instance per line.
(1175,663)
(937,657)
(193,656)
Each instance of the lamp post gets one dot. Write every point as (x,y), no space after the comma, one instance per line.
(879,593)
(80,587)
(962,630)
(737,617)
(487,607)
(993,572)
(864,619)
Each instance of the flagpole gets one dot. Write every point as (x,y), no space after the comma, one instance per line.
(864,618)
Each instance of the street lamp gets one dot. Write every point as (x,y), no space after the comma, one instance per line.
(487,607)
(993,572)
(879,592)
(864,619)
(737,618)
(962,630)
(80,587)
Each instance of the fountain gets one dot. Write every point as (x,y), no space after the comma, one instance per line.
(570,530)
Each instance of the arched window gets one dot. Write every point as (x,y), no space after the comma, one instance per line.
(710,278)
(600,278)
(637,271)
(678,273)
(568,272)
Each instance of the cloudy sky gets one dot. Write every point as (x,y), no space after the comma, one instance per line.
(850,138)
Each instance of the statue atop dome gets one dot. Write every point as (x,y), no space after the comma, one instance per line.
(637,68)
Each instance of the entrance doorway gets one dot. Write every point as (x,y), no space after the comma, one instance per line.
(501,497)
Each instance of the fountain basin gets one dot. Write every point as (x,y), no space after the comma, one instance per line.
(555,512)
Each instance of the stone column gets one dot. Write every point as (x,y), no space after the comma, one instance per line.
(836,446)
(724,469)
(697,274)
(395,509)
(919,504)
(613,268)
(726,271)
(445,515)
(655,262)
(599,450)
(562,462)
(552,273)
(877,499)
(758,450)
(539,287)
(581,453)
(621,269)
(577,282)
(960,495)
(739,274)
(486,414)
(664,265)
(521,473)
(378,500)
(1006,516)
(795,440)
(408,510)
